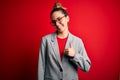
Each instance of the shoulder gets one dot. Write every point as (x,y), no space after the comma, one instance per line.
(48,36)
(76,38)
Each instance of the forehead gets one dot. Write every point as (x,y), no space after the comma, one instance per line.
(57,14)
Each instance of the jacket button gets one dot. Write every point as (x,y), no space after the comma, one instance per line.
(61,70)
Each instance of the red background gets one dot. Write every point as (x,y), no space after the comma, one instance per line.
(24,22)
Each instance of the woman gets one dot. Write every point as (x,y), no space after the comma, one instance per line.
(61,53)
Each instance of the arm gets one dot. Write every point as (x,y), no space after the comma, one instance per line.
(41,62)
(81,59)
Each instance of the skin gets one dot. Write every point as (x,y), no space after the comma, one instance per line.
(62,30)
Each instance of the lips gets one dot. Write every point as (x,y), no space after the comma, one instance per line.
(59,27)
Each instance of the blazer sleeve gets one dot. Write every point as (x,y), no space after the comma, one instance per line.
(41,61)
(81,58)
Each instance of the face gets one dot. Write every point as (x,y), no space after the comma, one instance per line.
(60,21)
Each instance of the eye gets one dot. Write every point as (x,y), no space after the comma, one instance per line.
(59,19)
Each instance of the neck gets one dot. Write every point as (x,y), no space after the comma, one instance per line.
(63,34)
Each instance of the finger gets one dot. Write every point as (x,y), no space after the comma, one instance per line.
(67,49)
(67,52)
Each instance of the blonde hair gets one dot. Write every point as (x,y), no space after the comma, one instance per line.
(58,7)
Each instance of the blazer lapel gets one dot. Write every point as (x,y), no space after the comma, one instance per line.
(69,40)
(55,48)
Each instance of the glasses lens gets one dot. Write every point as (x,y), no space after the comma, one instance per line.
(58,19)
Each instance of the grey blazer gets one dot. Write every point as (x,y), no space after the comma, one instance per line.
(50,66)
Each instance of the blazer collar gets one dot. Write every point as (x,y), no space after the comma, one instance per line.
(53,37)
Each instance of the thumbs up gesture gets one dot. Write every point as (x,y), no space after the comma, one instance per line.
(70,51)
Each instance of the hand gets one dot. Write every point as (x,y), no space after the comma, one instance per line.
(70,51)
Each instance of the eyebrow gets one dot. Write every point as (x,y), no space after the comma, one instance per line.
(58,17)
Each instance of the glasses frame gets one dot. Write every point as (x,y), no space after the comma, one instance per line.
(59,19)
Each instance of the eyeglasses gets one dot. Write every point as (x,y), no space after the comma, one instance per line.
(59,19)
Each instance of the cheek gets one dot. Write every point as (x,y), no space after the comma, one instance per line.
(65,22)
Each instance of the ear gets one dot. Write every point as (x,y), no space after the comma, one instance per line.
(68,18)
